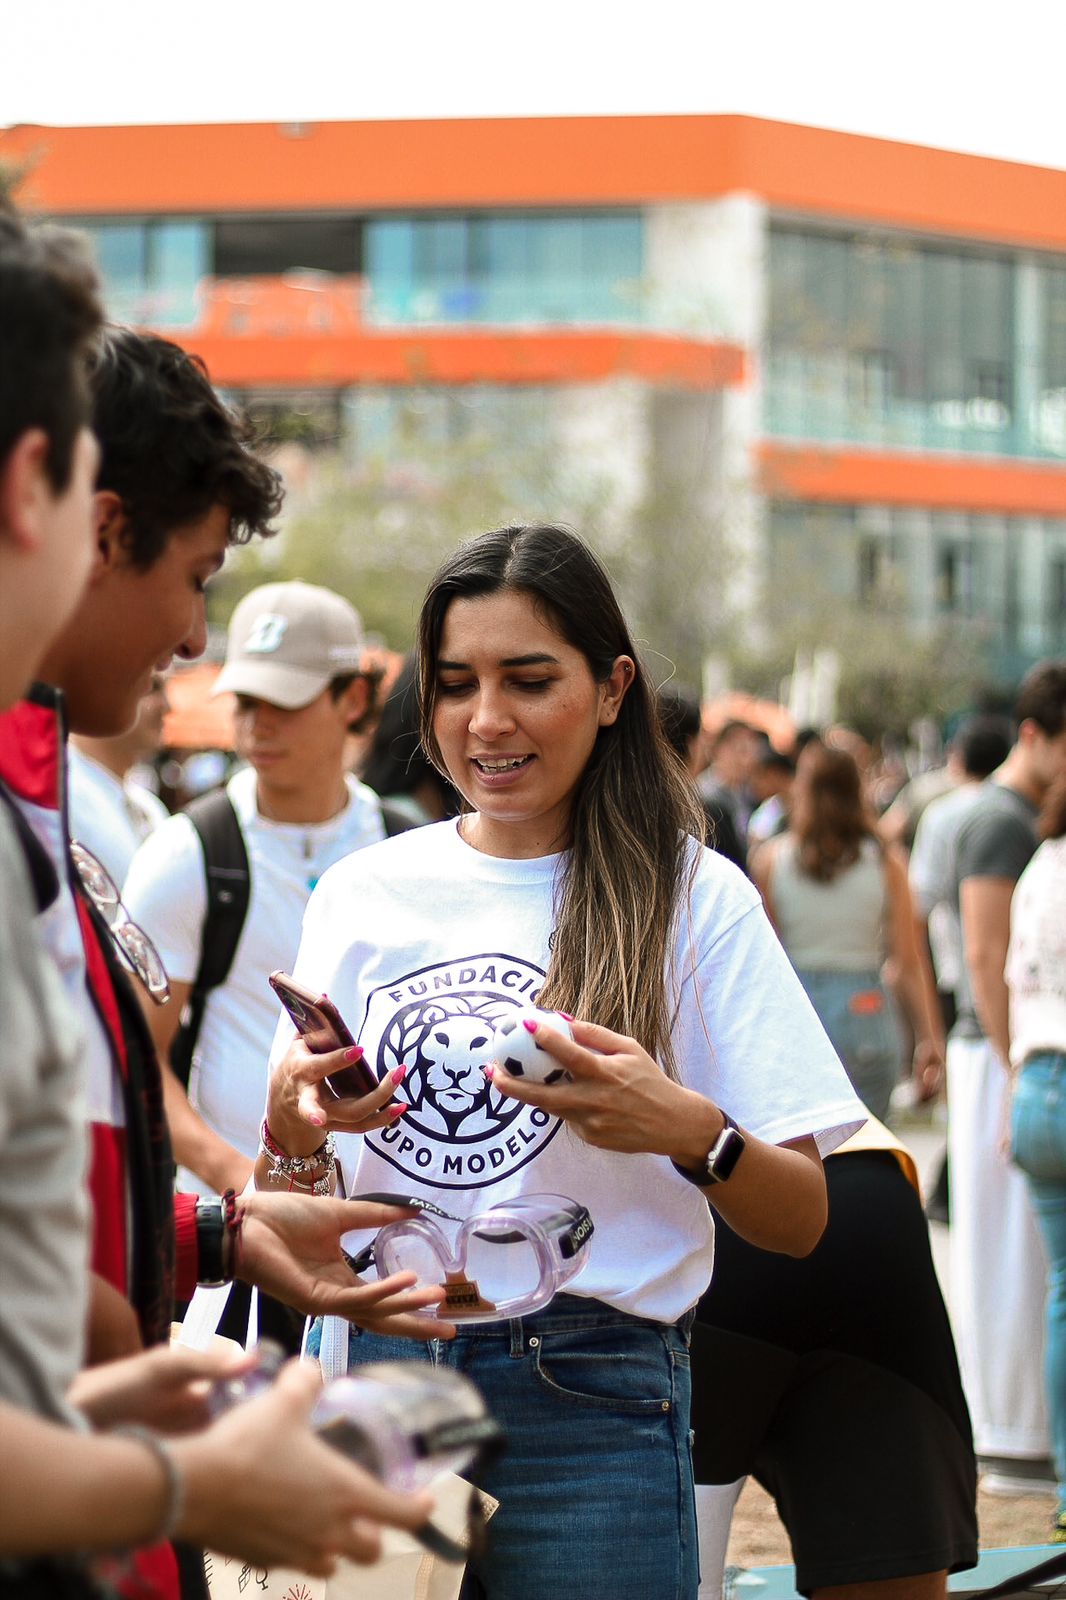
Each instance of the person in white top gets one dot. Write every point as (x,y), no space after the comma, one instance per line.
(1036,978)
(840,901)
(294,661)
(111,814)
(572,880)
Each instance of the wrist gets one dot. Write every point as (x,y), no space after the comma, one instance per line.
(310,1174)
(697,1132)
(169,1513)
(291,1133)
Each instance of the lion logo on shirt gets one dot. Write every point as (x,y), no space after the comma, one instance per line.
(439,1023)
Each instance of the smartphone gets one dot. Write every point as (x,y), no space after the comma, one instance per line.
(320,1023)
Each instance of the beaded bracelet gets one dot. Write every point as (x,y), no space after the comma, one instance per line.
(174,1507)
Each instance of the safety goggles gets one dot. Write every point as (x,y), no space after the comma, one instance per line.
(507,1261)
(131,941)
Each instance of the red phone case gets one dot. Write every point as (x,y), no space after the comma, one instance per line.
(318,1021)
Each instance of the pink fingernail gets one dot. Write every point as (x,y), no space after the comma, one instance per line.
(397,1112)
(398,1074)
(567,1015)
(490,1072)
(354,1054)
(316,1121)
(529,1025)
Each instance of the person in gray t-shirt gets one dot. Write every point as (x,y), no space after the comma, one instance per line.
(997,1265)
(995,840)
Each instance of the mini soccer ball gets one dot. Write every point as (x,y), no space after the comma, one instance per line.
(515,1048)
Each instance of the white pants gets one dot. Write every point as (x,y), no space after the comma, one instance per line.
(715,1504)
(998,1267)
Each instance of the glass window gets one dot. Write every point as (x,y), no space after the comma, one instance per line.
(249,247)
(1049,423)
(151,269)
(497,269)
(120,251)
(886,340)
(177,260)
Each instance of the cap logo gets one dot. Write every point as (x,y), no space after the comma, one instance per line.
(266,635)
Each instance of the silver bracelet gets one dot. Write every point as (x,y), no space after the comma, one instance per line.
(323,1185)
(174,1508)
(282,1165)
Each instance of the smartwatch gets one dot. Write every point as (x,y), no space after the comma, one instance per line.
(720,1160)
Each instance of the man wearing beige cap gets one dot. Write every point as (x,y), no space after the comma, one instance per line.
(294,662)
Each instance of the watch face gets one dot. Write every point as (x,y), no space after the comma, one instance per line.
(728,1149)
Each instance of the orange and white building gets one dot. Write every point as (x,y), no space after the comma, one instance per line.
(857,347)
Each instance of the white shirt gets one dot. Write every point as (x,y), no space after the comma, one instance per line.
(166,893)
(108,815)
(1036,959)
(424,943)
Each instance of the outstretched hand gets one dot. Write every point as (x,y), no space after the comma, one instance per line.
(290,1246)
(618,1097)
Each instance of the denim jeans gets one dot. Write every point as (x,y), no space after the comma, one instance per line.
(595,1485)
(1038,1144)
(859,1016)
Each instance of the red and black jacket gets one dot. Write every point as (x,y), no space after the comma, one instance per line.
(144,1236)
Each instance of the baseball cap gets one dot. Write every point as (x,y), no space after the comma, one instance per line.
(288,641)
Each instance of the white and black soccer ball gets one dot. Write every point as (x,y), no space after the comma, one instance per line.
(515,1048)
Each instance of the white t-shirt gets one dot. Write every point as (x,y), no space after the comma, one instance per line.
(1036,959)
(166,892)
(424,943)
(109,816)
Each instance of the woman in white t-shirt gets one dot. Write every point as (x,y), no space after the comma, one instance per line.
(1036,978)
(572,879)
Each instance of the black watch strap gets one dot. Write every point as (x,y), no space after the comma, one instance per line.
(211,1240)
(720,1160)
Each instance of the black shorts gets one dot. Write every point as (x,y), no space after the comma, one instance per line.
(834,1381)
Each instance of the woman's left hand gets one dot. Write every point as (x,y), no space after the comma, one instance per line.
(618,1098)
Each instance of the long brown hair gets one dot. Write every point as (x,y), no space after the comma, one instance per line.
(829,816)
(629,866)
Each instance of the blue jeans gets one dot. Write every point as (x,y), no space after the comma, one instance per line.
(595,1485)
(1038,1145)
(859,1015)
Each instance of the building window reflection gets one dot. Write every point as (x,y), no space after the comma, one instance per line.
(887,340)
(152,269)
(500,269)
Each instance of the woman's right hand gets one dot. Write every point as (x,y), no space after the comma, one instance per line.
(260,1486)
(301,1110)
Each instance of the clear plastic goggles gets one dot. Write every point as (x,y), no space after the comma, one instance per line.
(507,1261)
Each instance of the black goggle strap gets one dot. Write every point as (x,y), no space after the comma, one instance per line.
(487,1439)
(569,1229)
(413,1202)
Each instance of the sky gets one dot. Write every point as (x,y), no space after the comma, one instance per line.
(962,76)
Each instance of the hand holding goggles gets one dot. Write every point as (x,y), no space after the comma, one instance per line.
(505,1262)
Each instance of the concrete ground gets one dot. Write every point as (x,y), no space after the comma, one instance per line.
(758,1539)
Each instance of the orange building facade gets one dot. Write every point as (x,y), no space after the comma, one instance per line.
(852,352)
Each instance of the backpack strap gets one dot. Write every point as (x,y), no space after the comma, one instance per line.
(228,889)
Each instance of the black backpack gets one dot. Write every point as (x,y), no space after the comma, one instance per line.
(228,890)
